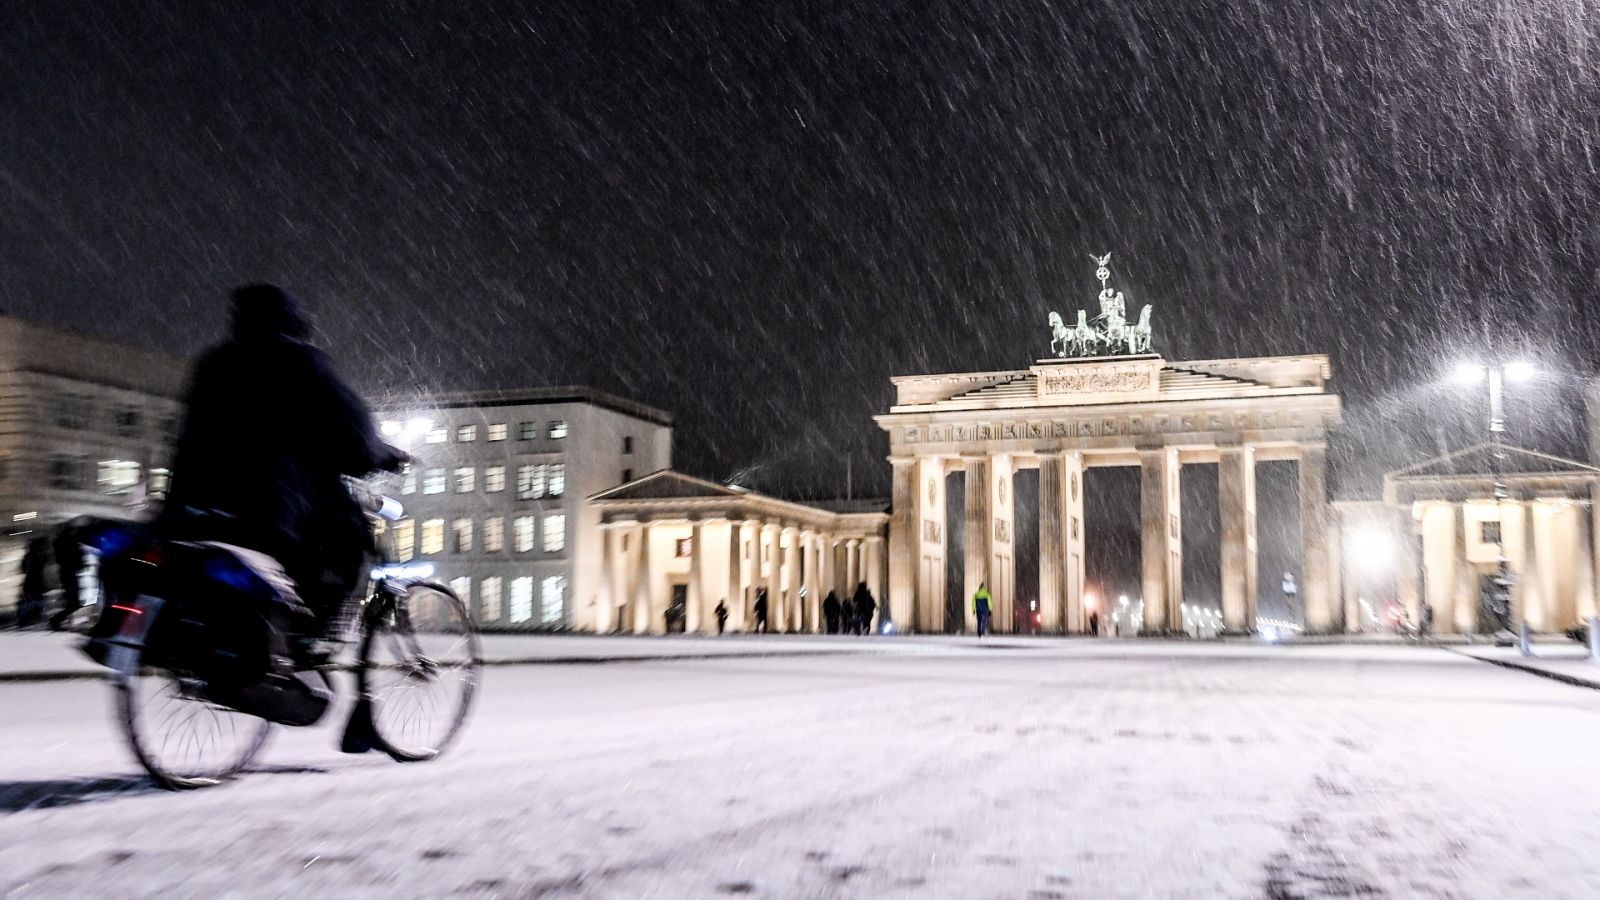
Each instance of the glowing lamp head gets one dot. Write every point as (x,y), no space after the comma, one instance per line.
(1469,373)
(1520,371)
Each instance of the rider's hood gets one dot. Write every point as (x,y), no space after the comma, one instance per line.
(264,312)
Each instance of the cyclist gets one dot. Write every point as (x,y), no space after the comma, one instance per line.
(269,433)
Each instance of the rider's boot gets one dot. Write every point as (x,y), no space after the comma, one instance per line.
(360,736)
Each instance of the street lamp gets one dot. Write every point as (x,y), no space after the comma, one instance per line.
(1498,373)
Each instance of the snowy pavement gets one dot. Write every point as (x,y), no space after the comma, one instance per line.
(44,655)
(916,769)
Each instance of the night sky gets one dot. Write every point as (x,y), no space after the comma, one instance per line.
(753,214)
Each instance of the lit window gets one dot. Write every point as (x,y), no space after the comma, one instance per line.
(521,599)
(494,535)
(555,533)
(552,591)
(627,445)
(558,429)
(160,482)
(405,539)
(68,473)
(558,479)
(527,431)
(408,481)
(685,548)
(466,479)
(494,479)
(497,431)
(432,537)
(462,530)
(522,534)
(489,599)
(72,411)
(531,481)
(117,476)
(437,435)
(466,434)
(433,481)
(462,587)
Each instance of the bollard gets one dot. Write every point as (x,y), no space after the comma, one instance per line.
(1524,642)
(1594,638)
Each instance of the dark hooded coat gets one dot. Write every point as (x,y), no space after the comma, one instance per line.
(269,432)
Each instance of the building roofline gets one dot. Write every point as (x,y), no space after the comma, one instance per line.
(536,396)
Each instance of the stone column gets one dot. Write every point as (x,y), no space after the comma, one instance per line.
(852,564)
(873,551)
(1160,550)
(643,612)
(1236,503)
(1052,545)
(978,537)
(696,590)
(770,556)
(905,543)
(812,607)
(1322,614)
(737,620)
(1439,563)
(1409,566)
(793,579)
(1075,618)
(1003,548)
(604,614)
(930,612)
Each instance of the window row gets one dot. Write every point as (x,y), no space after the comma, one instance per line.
(555,430)
(492,609)
(465,536)
(535,481)
(112,477)
(76,412)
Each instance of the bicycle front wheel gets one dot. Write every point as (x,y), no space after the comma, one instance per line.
(419,669)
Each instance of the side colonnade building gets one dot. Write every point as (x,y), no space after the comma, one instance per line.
(674,547)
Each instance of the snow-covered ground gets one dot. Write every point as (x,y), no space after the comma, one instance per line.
(913,769)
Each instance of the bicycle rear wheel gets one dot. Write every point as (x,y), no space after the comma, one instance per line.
(418,670)
(182,739)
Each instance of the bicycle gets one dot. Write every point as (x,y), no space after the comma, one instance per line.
(188,680)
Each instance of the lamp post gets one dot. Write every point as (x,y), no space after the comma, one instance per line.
(1499,594)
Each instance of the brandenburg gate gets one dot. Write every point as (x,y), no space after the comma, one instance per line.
(1065,415)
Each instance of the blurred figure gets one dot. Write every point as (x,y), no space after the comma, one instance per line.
(1094,624)
(760,610)
(35,582)
(67,550)
(271,431)
(864,608)
(982,605)
(830,612)
(1425,619)
(722,616)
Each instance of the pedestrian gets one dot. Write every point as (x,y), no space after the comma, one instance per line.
(722,616)
(761,611)
(67,549)
(982,606)
(35,582)
(864,606)
(830,612)
(1094,624)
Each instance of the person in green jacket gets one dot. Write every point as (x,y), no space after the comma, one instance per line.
(982,606)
